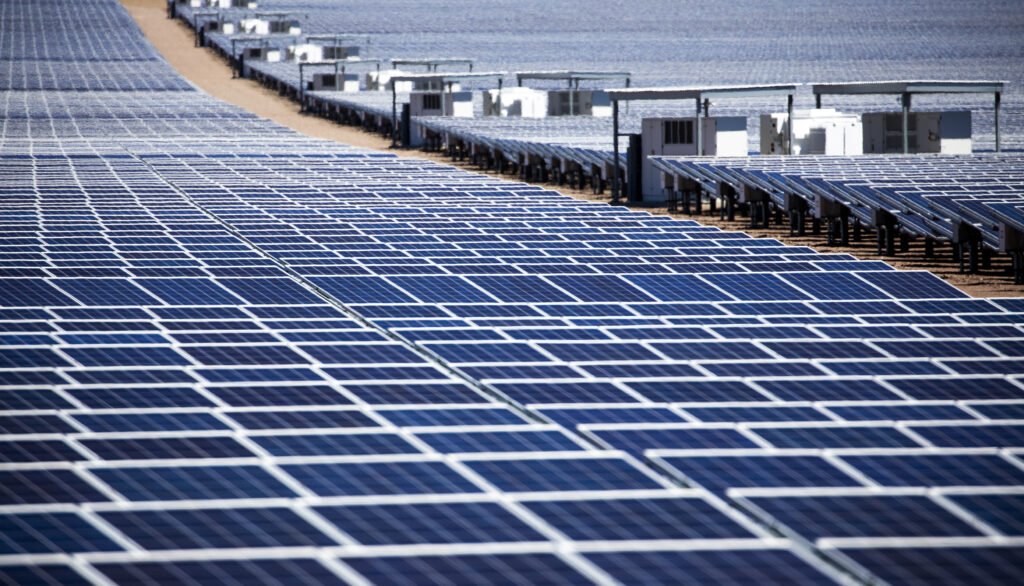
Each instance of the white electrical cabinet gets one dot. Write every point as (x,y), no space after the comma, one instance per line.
(261,54)
(304,52)
(579,103)
(821,131)
(380,81)
(723,136)
(259,26)
(533,103)
(517,102)
(927,132)
(223,4)
(438,103)
(331,52)
(334,82)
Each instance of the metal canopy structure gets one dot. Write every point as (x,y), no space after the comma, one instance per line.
(442,79)
(339,38)
(702,96)
(196,15)
(573,77)
(235,39)
(432,64)
(905,89)
(339,67)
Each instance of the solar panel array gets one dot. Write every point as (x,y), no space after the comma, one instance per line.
(824,45)
(928,195)
(271,359)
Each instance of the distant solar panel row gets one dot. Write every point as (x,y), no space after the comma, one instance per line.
(928,195)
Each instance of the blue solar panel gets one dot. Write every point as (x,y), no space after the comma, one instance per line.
(31,292)
(599,289)
(617,519)
(36,533)
(639,440)
(469,522)
(678,288)
(518,289)
(216,528)
(974,436)
(383,478)
(105,292)
(905,285)
(279,571)
(42,573)
(863,516)
(946,565)
(559,475)
(193,483)
(938,470)
(836,437)
(998,510)
(535,568)
(335,444)
(189,291)
(487,352)
(725,567)
(361,290)
(758,287)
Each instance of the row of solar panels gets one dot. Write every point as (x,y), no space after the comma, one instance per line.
(476,512)
(279,215)
(82,32)
(928,195)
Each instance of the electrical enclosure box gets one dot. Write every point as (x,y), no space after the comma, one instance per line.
(822,131)
(334,82)
(927,132)
(723,136)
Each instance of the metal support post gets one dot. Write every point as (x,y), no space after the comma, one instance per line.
(906,123)
(615,150)
(998,99)
(700,141)
(499,96)
(572,104)
(789,126)
(394,115)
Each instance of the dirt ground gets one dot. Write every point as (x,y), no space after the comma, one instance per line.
(212,74)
